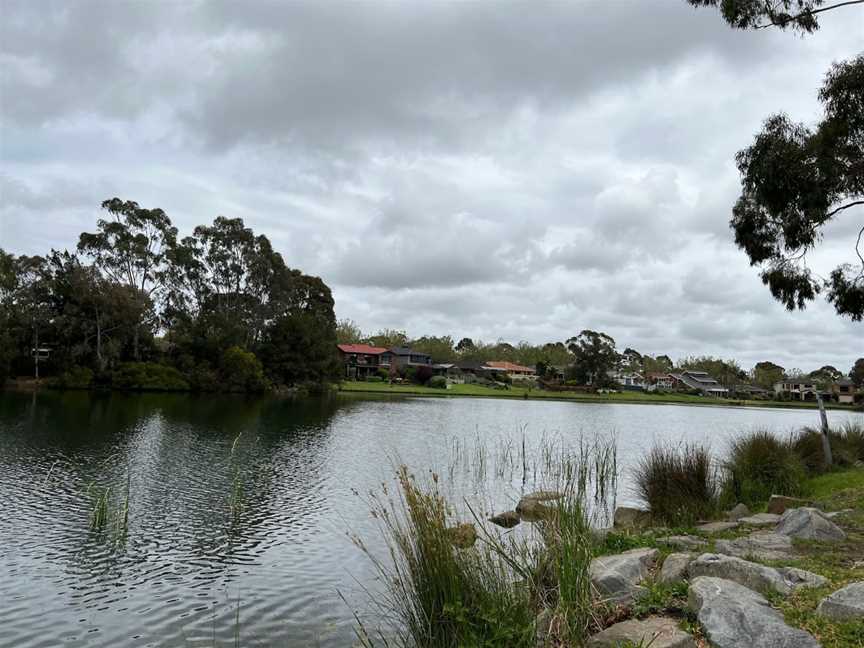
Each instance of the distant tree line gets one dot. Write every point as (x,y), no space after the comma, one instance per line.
(587,358)
(137,306)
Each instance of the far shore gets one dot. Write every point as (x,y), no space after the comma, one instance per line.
(525,393)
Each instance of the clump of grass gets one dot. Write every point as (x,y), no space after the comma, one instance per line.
(760,465)
(679,484)
(807,444)
(853,435)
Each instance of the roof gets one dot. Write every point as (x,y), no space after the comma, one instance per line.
(361,348)
(844,381)
(508,366)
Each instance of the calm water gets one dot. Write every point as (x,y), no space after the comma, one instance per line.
(188,567)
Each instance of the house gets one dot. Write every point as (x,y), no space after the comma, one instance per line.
(404,357)
(751,391)
(660,382)
(701,382)
(515,371)
(629,380)
(796,389)
(362,360)
(844,391)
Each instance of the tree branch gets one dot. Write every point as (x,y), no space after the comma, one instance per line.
(834,212)
(809,12)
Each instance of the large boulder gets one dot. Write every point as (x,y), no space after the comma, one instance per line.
(760,519)
(628,517)
(759,545)
(809,523)
(674,568)
(801,578)
(738,511)
(733,616)
(779,503)
(616,578)
(845,604)
(683,542)
(756,577)
(532,510)
(657,632)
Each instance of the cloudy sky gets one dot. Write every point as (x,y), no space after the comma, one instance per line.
(505,170)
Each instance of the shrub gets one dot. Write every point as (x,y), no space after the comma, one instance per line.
(204,378)
(807,445)
(679,485)
(423,374)
(438,382)
(760,465)
(76,377)
(242,371)
(374,379)
(148,376)
(383,374)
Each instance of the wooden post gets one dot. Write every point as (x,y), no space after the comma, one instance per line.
(826,442)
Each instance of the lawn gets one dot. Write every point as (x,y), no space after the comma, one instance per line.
(538,394)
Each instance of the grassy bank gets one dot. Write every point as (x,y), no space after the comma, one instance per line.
(538,394)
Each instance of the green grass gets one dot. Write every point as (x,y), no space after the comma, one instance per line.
(519,392)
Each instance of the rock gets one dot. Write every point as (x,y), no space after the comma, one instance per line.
(628,517)
(834,514)
(683,542)
(845,604)
(858,564)
(760,545)
(716,527)
(809,524)
(756,577)
(737,512)
(463,536)
(801,578)
(532,510)
(733,616)
(779,503)
(657,632)
(599,535)
(760,519)
(616,578)
(544,496)
(674,568)
(507,519)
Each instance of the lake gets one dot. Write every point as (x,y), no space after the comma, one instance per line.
(193,570)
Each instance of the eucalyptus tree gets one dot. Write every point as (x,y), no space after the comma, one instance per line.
(132,248)
(594,356)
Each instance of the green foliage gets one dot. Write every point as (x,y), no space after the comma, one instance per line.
(594,355)
(726,372)
(797,15)
(437,382)
(76,378)
(679,485)
(808,446)
(857,372)
(347,332)
(661,598)
(375,379)
(766,373)
(148,376)
(242,371)
(760,465)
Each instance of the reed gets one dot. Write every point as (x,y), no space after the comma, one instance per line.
(760,465)
(106,515)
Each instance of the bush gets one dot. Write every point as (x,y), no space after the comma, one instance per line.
(438,382)
(242,371)
(679,485)
(374,379)
(383,374)
(761,465)
(76,377)
(148,376)
(423,374)
(204,378)
(807,445)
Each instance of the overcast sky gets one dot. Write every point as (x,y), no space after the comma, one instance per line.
(516,171)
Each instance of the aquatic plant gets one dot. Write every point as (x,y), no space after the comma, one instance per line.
(105,515)
(760,465)
(678,483)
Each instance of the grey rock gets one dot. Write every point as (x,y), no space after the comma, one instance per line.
(532,510)
(507,519)
(846,604)
(657,632)
(760,545)
(760,519)
(737,512)
(683,541)
(808,523)
(834,514)
(616,578)
(674,568)
(801,578)
(756,577)
(733,616)
(628,517)
(716,527)
(779,503)
(599,535)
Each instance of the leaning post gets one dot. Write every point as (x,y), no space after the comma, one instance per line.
(826,442)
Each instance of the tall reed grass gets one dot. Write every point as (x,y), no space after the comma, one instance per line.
(760,465)
(109,515)
(680,484)
(438,596)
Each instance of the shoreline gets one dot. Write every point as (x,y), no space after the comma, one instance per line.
(627,398)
